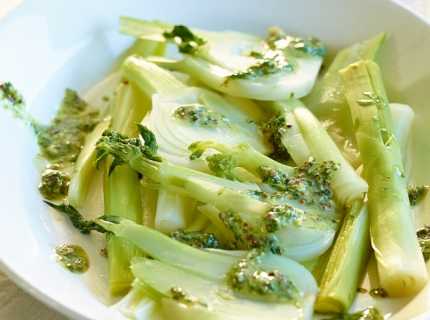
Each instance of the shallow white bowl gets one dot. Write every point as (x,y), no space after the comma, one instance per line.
(46,46)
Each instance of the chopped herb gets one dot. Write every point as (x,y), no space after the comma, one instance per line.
(273,130)
(62,141)
(416,193)
(310,184)
(198,115)
(272,62)
(179,295)
(196,239)
(54,184)
(258,232)
(72,257)
(423,235)
(10,93)
(371,313)
(222,166)
(78,220)
(248,278)
(12,100)
(187,41)
(279,40)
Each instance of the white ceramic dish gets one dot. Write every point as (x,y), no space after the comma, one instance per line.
(47,46)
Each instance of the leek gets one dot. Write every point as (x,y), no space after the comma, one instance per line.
(84,169)
(400,265)
(327,99)
(122,195)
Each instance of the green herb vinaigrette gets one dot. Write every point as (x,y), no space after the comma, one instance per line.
(72,257)
(309,188)
(187,41)
(196,239)
(416,193)
(278,55)
(61,141)
(179,295)
(423,235)
(248,278)
(273,130)
(371,313)
(54,183)
(199,115)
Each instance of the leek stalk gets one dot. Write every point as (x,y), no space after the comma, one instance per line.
(400,264)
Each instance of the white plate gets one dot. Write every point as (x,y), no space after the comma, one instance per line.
(46,46)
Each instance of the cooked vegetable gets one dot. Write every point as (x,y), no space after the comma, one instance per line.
(302,235)
(347,260)
(327,99)
(216,187)
(122,196)
(303,136)
(400,266)
(84,170)
(216,283)
(344,266)
(237,63)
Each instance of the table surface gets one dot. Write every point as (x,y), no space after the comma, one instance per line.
(15,303)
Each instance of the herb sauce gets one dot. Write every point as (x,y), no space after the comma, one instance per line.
(72,257)
(378,293)
(416,193)
(309,190)
(269,63)
(13,101)
(371,313)
(62,141)
(310,184)
(179,295)
(187,41)
(222,166)
(247,277)
(423,235)
(54,184)
(199,115)
(273,130)
(279,40)
(196,239)
(278,56)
